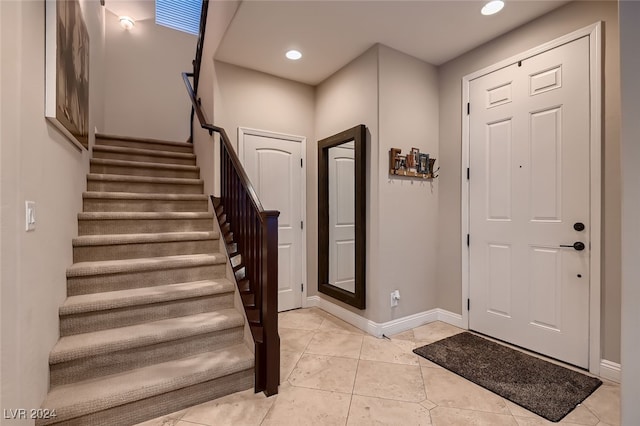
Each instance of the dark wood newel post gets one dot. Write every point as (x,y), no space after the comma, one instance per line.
(270,302)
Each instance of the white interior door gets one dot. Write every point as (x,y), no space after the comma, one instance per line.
(273,163)
(342,226)
(529,152)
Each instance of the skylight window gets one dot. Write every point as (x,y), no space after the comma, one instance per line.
(181,15)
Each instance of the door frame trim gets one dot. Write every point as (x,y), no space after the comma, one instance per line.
(594,32)
(242,131)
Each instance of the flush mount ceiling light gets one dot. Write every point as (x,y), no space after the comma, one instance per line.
(492,7)
(294,55)
(127,22)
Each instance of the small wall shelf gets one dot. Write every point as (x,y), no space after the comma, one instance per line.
(415,164)
(410,173)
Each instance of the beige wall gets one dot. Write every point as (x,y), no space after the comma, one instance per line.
(348,98)
(562,21)
(396,97)
(407,208)
(247,98)
(37,163)
(144,93)
(630,135)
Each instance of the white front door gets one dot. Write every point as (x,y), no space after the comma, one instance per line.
(342,217)
(529,151)
(273,163)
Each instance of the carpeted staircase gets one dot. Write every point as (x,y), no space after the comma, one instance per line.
(150,324)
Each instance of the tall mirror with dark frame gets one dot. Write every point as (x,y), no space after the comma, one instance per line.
(342,216)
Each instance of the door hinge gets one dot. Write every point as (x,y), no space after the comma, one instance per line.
(468,239)
(301,224)
(468,173)
(468,304)
(468,108)
(301,162)
(301,286)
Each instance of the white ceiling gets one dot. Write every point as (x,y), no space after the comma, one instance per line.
(332,33)
(139,10)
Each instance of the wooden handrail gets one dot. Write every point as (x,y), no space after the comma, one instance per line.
(224,140)
(251,236)
(200,45)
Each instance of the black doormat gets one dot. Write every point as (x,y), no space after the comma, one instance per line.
(547,389)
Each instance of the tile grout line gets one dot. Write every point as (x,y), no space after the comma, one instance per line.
(353,387)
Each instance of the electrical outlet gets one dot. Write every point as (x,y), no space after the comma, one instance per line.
(395,297)
(30,215)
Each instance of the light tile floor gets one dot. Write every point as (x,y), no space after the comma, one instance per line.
(334,374)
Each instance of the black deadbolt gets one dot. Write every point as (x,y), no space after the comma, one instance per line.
(578,226)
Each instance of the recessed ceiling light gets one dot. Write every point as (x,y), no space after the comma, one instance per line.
(492,7)
(294,55)
(127,22)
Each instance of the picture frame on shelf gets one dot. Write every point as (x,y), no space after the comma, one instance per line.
(423,163)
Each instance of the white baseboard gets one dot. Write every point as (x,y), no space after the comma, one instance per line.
(450,318)
(338,311)
(387,328)
(610,370)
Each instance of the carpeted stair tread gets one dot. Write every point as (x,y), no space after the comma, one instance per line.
(142,151)
(82,269)
(142,164)
(115,239)
(143,215)
(101,137)
(141,179)
(94,343)
(143,196)
(143,296)
(78,399)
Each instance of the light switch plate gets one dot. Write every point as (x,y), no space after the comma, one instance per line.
(30,215)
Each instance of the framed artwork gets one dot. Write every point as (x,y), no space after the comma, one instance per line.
(67,70)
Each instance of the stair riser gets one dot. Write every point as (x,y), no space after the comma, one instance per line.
(102,320)
(191,161)
(145,145)
(141,226)
(124,360)
(141,171)
(137,251)
(166,403)
(125,281)
(144,187)
(109,205)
